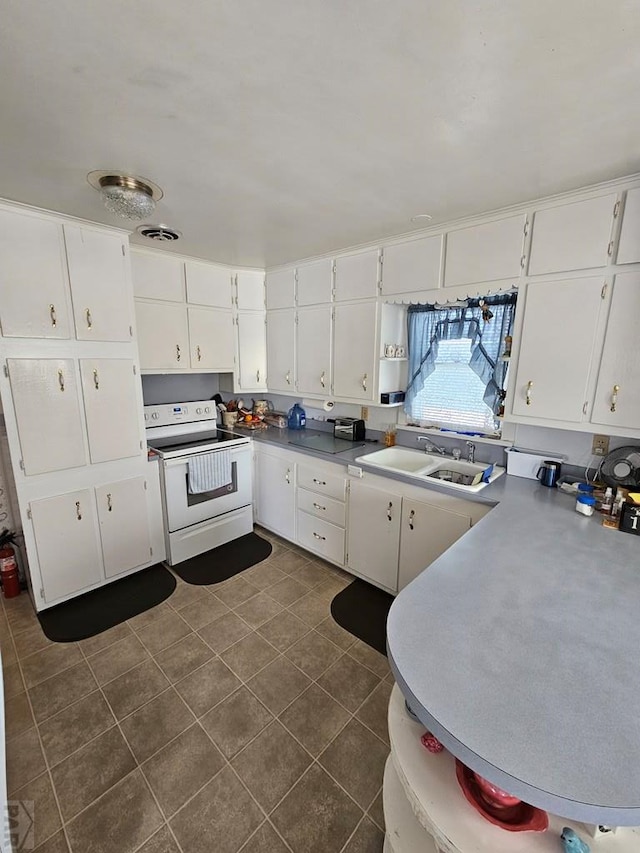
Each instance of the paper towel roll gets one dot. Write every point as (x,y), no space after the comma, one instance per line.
(328,405)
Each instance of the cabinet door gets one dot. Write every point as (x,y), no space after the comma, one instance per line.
(275,493)
(620,365)
(629,245)
(163,338)
(572,236)
(250,291)
(252,352)
(281,333)
(109,388)
(124,525)
(314,282)
(487,252)
(33,278)
(157,276)
(313,333)
(281,289)
(46,399)
(357,276)
(560,322)
(355,350)
(412,266)
(208,284)
(66,534)
(100,287)
(211,339)
(426,532)
(374,534)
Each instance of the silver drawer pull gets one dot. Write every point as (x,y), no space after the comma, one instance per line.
(318,506)
(178,356)
(78,513)
(411,517)
(319,482)
(52,314)
(288,377)
(109,504)
(87,314)
(96,381)
(61,380)
(389,508)
(317,536)
(198,353)
(364,382)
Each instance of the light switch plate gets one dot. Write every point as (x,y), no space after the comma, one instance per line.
(600,446)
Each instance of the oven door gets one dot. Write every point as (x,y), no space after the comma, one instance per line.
(184,509)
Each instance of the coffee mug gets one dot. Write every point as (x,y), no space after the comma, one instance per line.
(549,472)
(389,350)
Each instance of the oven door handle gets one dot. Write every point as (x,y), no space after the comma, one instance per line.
(182,460)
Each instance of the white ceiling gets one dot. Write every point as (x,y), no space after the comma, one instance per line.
(282,129)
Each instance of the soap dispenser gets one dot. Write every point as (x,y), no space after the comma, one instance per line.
(296,417)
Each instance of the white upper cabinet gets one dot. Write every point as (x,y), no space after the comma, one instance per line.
(617,397)
(249,290)
(163,336)
(100,284)
(572,236)
(67,525)
(157,276)
(208,284)
(46,400)
(33,278)
(488,252)
(315,282)
(281,288)
(210,339)
(354,348)
(109,388)
(558,337)
(124,525)
(412,266)
(357,276)
(313,333)
(629,245)
(252,352)
(281,335)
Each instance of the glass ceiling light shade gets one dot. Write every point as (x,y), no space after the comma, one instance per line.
(126,196)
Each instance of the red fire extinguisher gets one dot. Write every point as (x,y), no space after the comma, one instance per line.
(8,568)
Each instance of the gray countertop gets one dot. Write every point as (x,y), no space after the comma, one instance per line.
(520,649)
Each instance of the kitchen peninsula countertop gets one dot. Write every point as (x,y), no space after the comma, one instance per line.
(519,649)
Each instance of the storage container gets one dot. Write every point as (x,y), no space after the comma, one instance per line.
(526,463)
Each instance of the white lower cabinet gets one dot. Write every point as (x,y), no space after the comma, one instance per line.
(325,539)
(374,534)
(89,535)
(124,525)
(321,509)
(275,491)
(426,531)
(66,534)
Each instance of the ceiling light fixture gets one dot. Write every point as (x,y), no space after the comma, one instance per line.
(125,195)
(422,216)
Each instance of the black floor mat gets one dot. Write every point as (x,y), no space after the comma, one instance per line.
(224,562)
(100,609)
(362,610)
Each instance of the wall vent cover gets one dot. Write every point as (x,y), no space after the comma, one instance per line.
(159,232)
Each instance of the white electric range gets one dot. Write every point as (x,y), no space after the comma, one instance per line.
(195,523)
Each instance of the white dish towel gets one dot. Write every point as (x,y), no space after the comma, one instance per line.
(209,471)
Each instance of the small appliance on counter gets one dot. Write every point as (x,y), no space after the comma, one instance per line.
(349,429)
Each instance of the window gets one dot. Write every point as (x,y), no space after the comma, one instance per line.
(457,376)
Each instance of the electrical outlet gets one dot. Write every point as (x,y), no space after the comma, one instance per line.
(364,412)
(600,446)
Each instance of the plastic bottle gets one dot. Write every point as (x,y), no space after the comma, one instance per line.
(296,418)
(585,504)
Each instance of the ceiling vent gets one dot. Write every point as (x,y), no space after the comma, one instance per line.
(159,232)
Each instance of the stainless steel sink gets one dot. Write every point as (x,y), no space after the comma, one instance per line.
(457,474)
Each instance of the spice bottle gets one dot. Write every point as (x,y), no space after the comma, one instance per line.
(607,502)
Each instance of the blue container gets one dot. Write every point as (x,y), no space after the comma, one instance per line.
(296,418)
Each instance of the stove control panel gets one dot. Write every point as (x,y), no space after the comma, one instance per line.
(180,413)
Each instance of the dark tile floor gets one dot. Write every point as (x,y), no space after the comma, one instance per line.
(235,717)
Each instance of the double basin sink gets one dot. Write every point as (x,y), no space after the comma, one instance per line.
(455,473)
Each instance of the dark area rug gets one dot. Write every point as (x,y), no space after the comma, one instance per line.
(362,610)
(101,609)
(224,562)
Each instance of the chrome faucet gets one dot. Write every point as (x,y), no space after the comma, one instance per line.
(430,446)
(471,451)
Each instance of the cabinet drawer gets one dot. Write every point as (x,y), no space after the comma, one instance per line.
(322,507)
(323,538)
(317,479)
